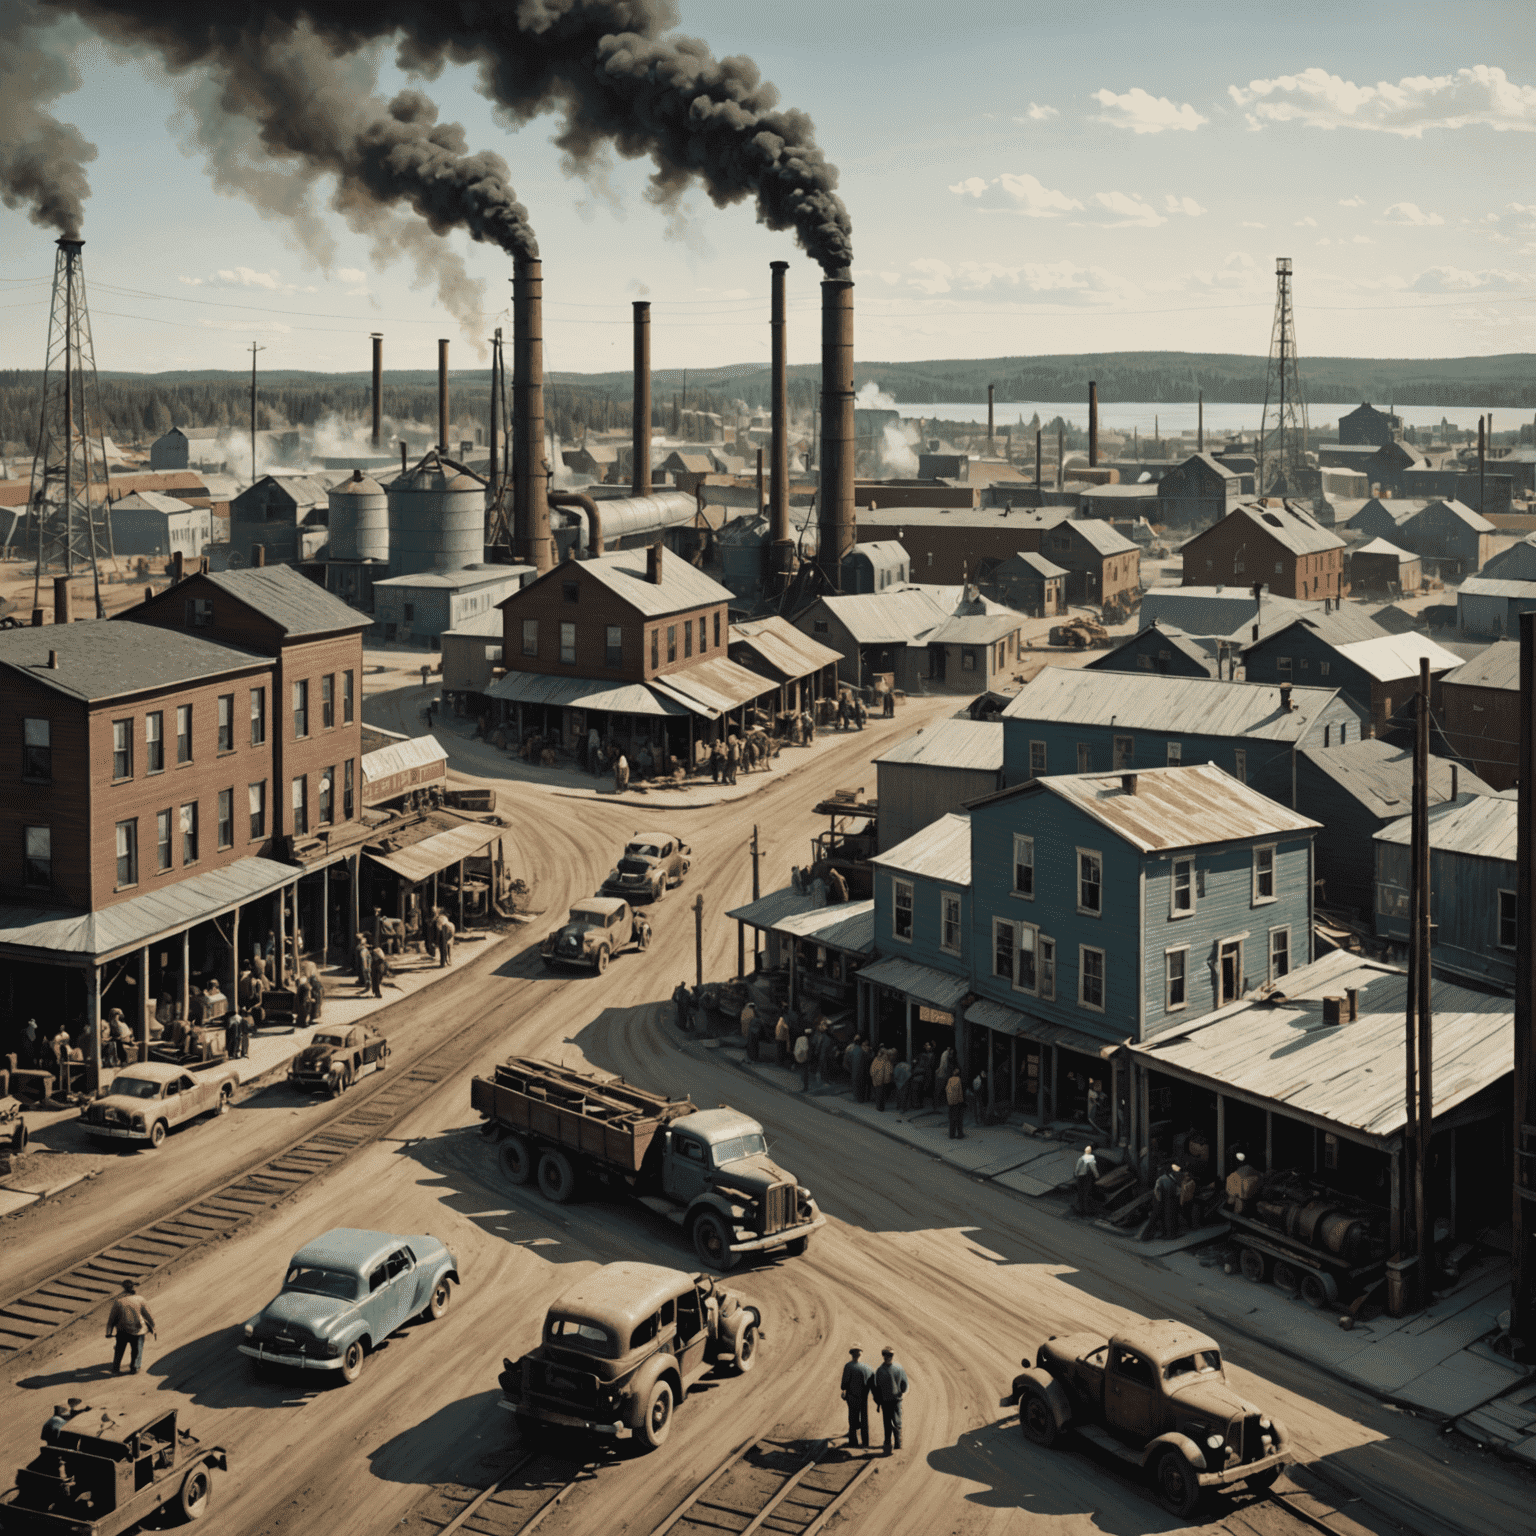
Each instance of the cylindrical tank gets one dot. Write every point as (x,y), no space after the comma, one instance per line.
(359,519)
(436,519)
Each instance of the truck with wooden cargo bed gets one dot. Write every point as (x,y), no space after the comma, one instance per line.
(707,1170)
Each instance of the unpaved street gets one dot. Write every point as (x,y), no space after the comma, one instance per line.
(961,1277)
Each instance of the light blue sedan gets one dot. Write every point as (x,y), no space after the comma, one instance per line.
(344,1294)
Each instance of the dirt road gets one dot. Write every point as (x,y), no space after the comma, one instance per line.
(961,1277)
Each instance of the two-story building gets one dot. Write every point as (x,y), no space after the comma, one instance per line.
(1167,651)
(1477,703)
(1275,541)
(287,515)
(1450,534)
(1198,493)
(1069,720)
(1366,424)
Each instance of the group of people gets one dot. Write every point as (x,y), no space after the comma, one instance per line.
(437,935)
(736,753)
(370,964)
(850,712)
(888,1385)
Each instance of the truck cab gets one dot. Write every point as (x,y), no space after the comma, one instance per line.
(598,928)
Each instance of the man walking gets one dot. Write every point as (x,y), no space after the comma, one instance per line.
(803,1060)
(954,1097)
(858,1379)
(130,1320)
(889,712)
(781,1041)
(902,1077)
(1165,1201)
(732,759)
(881,1075)
(1086,1171)
(445,933)
(891,1386)
(378,969)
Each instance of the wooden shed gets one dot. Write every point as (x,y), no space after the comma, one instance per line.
(1382,567)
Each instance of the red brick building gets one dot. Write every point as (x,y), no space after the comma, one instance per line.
(1275,542)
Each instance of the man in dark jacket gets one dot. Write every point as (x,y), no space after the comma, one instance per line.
(131,1320)
(891,1387)
(858,1380)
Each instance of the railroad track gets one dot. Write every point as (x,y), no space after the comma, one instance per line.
(368,1112)
(516,1504)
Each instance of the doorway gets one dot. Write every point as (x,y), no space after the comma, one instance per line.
(1229,971)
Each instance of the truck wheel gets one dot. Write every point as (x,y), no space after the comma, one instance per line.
(656,1423)
(1035,1417)
(746,1347)
(157,1134)
(516,1159)
(712,1242)
(19,1138)
(659,891)
(381,1060)
(226,1097)
(1262,1481)
(352,1362)
(798,1247)
(1177,1485)
(602,961)
(1286,1279)
(1253,1265)
(195,1496)
(442,1294)
(557,1179)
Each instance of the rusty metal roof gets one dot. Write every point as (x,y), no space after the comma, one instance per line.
(1478,824)
(1378,776)
(398,756)
(846,925)
(893,617)
(783,647)
(420,861)
(941,851)
(976,744)
(712,687)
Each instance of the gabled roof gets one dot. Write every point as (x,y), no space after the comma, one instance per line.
(1517,563)
(1398,510)
(974,744)
(1497,667)
(1495,586)
(941,851)
(688,463)
(624,574)
(1379,546)
(152,501)
(1481,824)
(1379,776)
(783,647)
(1016,565)
(1340,627)
(1212,610)
(974,628)
(294,603)
(1288,524)
(1201,654)
(880,552)
(886,618)
(1391,658)
(1213,464)
(1460,511)
(304,490)
(1106,540)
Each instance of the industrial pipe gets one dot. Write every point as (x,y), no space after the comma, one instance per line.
(835,514)
(594,517)
(61,602)
(781,555)
(530,485)
(640,469)
(1093,424)
(442,396)
(378,389)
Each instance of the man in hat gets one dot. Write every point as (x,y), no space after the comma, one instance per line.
(858,1379)
(130,1320)
(891,1387)
(1086,1171)
(954,1097)
(1165,1197)
(378,969)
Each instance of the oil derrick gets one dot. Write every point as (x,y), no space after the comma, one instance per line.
(1283,428)
(70,533)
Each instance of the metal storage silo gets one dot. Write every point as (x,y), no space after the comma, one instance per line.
(436,518)
(359,519)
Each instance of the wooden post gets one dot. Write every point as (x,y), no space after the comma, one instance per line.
(93,1015)
(741,948)
(756,885)
(1426,1216)
(1395,1233)
(909,1006)
(357,872)
(186,971)
(234,961)
(146,1004)
(1013,1071)
(1221,1137)
(698,940)
(461,893)
(325,915)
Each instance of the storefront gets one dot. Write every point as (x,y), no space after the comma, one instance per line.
(910,1006)
(461,871)
(1050,1072)
(814,950)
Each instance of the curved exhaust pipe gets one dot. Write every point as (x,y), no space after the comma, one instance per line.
(587,505)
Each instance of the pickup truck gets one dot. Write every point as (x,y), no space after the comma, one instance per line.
(706,1170)
(600,927)
(1156,1396)
(149,1099)
(622,1347)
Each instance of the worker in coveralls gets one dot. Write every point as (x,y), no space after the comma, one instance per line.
(891,1387)
(858,1382)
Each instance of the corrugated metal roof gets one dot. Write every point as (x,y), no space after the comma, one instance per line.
(1203,706)
(1497,667)
(773,908)
(845,925)
(1379,776)
(886,618)
(1288,525)
(1494,586)
(480,625)
(963,517)
(975,629)
(151,501)
(713,686)
(1015,566)
(1212,610)
(144,919)
(941,851)
(1379,546)
(951,744)
(1482,824)
(420,861)
(1392,657)
(583,693)
(1348,1075)
(881,553)
(783,647)
(993,1015)
(682,585)
(465,579)
(936,988)
(1105,539)
(297,605)
(400,756)
(1201,650)
(1462,513)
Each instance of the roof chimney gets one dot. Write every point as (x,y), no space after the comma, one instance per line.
(1353,996)
(61,606)
(37,618)
(1093,423)
(1128,783)
(1333,1011)
(53,660)
(836,518)
(1453,782)
(149,592)
(378,390)
(258,555)
(530,469)
(653,563)
(1285,698)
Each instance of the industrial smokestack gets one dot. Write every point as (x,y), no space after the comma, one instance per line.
(530,484)
(991,395)
(640,453)
(782,548)
(1093,424)
(378,389)
(1039,433)
(1061,458)
(1200,422)
(442,396)
(836,519)
(61,603)
(1482,463)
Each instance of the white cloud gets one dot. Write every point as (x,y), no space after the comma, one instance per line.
(1459,280)
(1017,194)
(1131,210)
(1352,202)
(1410,213)
(1059,282)
(352,274)
(1249,224)
(1363,240)
(1144,113)
(1239,259)
(247,277)
(1307,223)
(1038,113)
(1183,205)
(1482,95)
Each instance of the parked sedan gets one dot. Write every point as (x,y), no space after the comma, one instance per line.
(344,1294)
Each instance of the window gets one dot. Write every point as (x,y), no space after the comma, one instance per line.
(300,806)
(258,716)
(613,646)
(183,733)
(1175,754)
(226,722)
(327,795)
(1322,667)
(348,697)
(127,853)
(820,627)
(1144,663)
(1229,971)
(1003,948)
(568,644)
(1125,752)
(967,658)
(1023,866)
(122,749)
(1133,1368)
(655,649)
(1264,873)
(671,642)
(199,612)
(301,709)
(1283,665)
(1279,953)
(1026,977)
(687,637)
(164,831)
(189,833)
(1182,901)
(328,701)
(1240,765)
(570,591)
(1176,974)
(1508,913)
(1036,759)
(949,923)
(154,741)
(1090,882)
(37,856)
(256,795)
(530,637)
(1084,758)
(37,749)
(1090,978)
(409,611)
(226,818)
(346,789)
(717,629)
(1343,732)
(901,909)
(1047,957)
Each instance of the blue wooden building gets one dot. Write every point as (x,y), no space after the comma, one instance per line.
(1165,650)
(1069,720)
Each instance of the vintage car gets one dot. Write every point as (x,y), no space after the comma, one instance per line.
(1157,1397)
(344,1294)
(621,1349)
(651,864)
(13,1126)
(149,1099)
(599,928)
(336,1056)
(98,1481)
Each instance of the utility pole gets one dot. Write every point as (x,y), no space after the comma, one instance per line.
(698,939)
(1426,1217)
(254,350)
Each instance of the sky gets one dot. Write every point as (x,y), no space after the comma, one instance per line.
(1022,179)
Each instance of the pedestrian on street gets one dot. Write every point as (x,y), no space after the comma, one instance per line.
(781,1041)
(621,773)
(716,761)
(842,711)
(860,714)
(238,1036)
(108,1033)
(732,759)
(803,1059)
(445,933)
(364,962)
(954,1097)
(854,1060)
(891,1387)
(682,1000)
(130,1320)
(826,1055)
(881,1074)
(902,1077)
(122,1037)
(858,1380)
(1086,1171)
(746,1021)
(316,990)
(1165,1201)
(378,969)
(755,1030)
(889,712)
(808,726)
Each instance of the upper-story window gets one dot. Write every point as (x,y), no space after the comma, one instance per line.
(128,852)
(901,909)
(1264,873)
(1084,757)
(1090,881)
(655,649)
(1037,759)
(1508,913)
(717,629)
(189,833)
(37,856)
(949,923)
(1023,866)
(348,696)
(570,591)
(122,749)
(37,750)
(671,642)
(226,818)
(226,722)
(199,612)
(154,741)
(1125,752)
(258,716)
(1004,947)
(1175,754)
(301,709)
(164,840)
(530,637)
(327,701)
(1090,978)
(183,733)
(327,797)
(687,637)
(1182,900)
(1240,765)
(568,644)
(1283,665)
(613,645)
